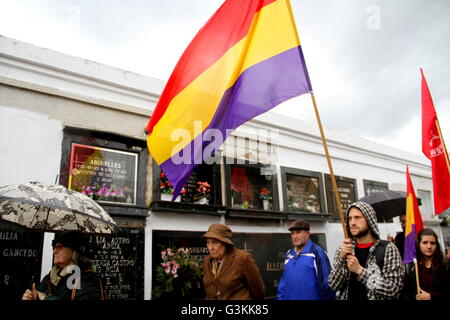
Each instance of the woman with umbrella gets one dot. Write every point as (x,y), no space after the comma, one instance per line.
(62,283)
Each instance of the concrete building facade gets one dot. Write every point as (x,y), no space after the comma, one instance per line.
(50,101)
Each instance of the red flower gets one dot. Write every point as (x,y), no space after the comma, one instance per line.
(264,194)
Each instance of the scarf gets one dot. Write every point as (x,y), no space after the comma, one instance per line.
(216,266)
(56,274)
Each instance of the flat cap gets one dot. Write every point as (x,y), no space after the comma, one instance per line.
(299,225)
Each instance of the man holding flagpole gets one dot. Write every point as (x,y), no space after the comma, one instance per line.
(365,267)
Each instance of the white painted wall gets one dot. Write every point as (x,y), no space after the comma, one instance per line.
(47,254)
(73,75)
(30,147)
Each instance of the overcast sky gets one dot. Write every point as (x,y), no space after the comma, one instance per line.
(363,56)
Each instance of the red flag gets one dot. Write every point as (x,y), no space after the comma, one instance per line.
(434,149)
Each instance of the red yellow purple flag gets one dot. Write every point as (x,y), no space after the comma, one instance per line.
(433,147)
(244,61)
(413,220)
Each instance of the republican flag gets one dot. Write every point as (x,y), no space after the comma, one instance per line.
(433,147)
(413,221)
(243,62)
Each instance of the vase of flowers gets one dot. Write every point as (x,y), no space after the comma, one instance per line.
(178,275)
(165,185)
(167,189)
(202,193)
(265,196)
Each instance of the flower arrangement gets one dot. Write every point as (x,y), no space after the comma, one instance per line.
(264,194)
(203,190)
(105,193)
(165,185)
(178,274)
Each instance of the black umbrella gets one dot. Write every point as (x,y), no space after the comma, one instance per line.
(387,203)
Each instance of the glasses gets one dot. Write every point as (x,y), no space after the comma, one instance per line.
(57,246)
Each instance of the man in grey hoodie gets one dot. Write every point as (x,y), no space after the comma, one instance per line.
(365,267)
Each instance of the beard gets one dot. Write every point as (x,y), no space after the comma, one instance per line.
(362,233)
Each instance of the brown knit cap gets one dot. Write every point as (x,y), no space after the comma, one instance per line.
(219,232)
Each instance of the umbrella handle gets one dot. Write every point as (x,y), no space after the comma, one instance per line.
(40,252)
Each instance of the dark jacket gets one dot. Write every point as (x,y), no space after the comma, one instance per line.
(439,290)
(400,243)
(89,288)
(238,278)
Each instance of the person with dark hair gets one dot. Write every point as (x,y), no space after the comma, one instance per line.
(434,278)
(400,237)
(365,267)
(306,268)
(71,277)
(229,273)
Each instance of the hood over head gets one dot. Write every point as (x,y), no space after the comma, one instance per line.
(370,215)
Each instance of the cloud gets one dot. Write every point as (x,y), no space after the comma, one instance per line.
(363,56)
(367,80)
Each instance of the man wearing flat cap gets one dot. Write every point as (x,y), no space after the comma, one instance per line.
(229,273)
(306,268)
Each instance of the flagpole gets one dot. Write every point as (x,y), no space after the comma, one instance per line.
(333,179)
(417,276)
(443,144)
(322,135)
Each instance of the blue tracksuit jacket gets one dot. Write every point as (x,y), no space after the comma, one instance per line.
(305,276)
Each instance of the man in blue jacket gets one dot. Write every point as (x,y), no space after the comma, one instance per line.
(306,268)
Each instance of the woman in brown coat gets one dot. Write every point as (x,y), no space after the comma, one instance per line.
(229,273)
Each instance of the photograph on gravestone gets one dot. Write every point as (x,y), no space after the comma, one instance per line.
(190,186)
(106,175)
(119,261)
(250,189)
(268,250)
(20,260)
(371,187)
(303,193)
(347,192)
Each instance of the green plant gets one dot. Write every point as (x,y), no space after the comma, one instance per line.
(177,275)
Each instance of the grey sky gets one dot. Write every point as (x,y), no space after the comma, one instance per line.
(363,56)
